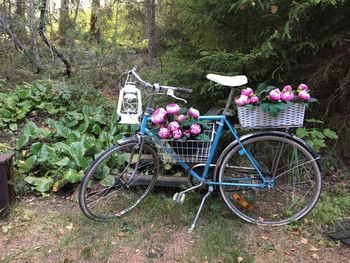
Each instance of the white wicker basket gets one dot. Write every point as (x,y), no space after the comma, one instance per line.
(192,151)
(291,117)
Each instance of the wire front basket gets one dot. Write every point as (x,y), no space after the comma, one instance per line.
(191,151)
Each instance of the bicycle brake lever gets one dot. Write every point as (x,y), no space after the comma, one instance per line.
(170,93)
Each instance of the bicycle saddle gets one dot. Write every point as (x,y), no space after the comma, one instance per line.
(234,81)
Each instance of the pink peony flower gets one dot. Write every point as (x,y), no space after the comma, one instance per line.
(173,108)
(247,91)
(181,118)
(187,133)
(304,95)
(173,126)
(275,95)
(287,88)
(195,129)
(164,133)
(254,100)
(287,96)
(158,116)
(242,100)
(193,113)
(177,134)
(303,87)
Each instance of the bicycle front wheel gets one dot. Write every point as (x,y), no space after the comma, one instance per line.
(288,163)
(118,180)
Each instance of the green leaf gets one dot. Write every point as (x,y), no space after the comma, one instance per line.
(96,129)
(64,162)
(61,147)
(36,148)
(47,153)
(13,127)
(73,176)
(23,140)
(108,181)
(317,134)
(330,134)
(83,127)
(31,129)
(314,121)
(28,164)
(41,184)
(262,88)
(302,132)
(5,113)
(249,106)
(203,137)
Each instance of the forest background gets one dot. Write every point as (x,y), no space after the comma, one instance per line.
(58,56)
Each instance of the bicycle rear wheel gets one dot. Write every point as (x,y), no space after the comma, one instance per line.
(286,161)
(118,180)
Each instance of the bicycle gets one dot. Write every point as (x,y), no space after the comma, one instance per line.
(265,177)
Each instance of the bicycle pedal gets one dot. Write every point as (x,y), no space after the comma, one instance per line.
(179,198)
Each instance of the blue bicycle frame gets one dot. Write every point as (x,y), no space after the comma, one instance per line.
(221,121)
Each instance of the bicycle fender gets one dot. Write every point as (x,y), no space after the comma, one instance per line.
(255,134)
(126,140)
(136,138)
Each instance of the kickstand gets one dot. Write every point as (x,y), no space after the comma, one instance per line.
(194,224)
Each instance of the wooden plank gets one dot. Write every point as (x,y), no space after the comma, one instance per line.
(162,181)
(6,157)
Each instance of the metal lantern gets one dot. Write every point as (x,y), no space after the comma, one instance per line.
(129,104)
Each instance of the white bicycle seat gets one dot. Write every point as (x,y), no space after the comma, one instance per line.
(234,81)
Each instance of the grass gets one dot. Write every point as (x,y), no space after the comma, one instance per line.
(154,229)
(54,230)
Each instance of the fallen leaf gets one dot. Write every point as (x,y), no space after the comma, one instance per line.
(264,237)
(70,226)
(261,220)
(120,234)
(315,256)
(303,241)
(240,259)
(312,248)
(6,229)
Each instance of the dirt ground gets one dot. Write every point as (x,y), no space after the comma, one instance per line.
(53,230)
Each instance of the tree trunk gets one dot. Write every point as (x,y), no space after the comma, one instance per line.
(63,24)
(33,33)
(18,43)
(53,49)
(94,30)
(115,35)
(74,24)
(151,23)
(20,8)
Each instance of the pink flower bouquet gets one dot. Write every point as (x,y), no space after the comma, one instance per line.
(178,124)
(272,99)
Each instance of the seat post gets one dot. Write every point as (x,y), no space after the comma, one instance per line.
(229,101)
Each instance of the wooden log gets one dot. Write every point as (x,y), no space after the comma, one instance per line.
(6,190)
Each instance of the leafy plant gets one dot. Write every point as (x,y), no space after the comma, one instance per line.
(316,137)
(30,100)
(57,141)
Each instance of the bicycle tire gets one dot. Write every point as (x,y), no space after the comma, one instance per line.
(116,182)
(297,168)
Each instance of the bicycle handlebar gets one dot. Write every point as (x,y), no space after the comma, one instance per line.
(146,84)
